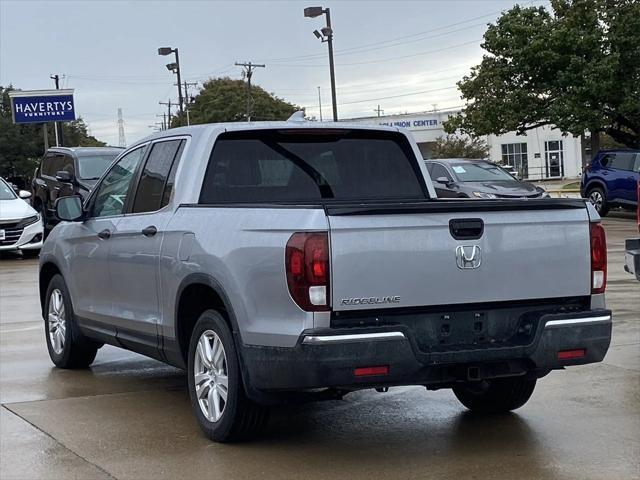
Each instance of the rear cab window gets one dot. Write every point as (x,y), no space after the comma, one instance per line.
(312,166)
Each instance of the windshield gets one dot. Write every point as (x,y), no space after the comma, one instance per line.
(6,192)
(479,172)
(93,166)
(302,165)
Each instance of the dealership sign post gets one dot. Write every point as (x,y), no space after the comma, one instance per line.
(42,106)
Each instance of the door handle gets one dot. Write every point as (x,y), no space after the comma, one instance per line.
(149,231)
(104,234)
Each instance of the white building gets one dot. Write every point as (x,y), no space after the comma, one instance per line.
(542,153)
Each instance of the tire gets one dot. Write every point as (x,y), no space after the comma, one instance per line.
(598,198)
(238,418)
(33,253)
(67,348)
(495,396)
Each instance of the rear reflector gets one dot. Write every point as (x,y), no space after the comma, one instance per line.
(369,371)
(598,258)
(570,354)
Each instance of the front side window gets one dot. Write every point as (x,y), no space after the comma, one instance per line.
(47,164)
(439,171)
(111,197)
(309,165)
(66,165)
(150,195)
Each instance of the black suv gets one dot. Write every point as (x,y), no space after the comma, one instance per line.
(67,171)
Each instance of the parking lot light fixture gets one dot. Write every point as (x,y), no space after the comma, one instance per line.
(326,35)
(175,68)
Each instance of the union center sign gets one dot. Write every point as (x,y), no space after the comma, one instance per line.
(39,106)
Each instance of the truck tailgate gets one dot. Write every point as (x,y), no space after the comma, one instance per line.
(406,256)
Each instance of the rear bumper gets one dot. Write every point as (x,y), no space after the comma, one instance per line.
(632,257)
(328,358)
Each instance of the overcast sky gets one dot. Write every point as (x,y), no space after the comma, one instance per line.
(402,55)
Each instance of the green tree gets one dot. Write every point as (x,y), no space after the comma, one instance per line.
(577,68)
(452,146)
(225,100)
(22,145)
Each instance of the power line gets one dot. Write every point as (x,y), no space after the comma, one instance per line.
(396,39)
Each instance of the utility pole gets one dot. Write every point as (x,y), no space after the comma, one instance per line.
(247,68)
(187,99)
(378,110)
(168,119)
(163,124)
(58,132)
(122,142)
(320,103)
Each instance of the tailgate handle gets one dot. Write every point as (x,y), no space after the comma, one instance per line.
(466,228)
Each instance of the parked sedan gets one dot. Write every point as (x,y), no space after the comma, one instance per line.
(20,225)
(462,178)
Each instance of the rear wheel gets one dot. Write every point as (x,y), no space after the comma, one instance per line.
(65,349)
(496,395)
(598,198)
(218,399)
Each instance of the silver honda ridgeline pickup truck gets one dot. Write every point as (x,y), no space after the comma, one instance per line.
(285,261)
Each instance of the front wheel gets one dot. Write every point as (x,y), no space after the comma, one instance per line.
(497,395)
(218,399)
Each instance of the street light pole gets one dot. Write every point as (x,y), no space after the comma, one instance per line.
(57,131)
(331,67)
(180,103)
(175,68)
(326,35)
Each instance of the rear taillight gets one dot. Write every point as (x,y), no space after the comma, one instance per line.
(598,258)
(307,266)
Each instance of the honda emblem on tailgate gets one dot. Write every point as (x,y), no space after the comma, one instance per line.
(468,256)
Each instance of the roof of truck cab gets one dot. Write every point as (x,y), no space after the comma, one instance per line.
(87,150)
(209,128)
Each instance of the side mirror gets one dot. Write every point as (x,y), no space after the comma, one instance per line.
(444,181)
(69,208)
(23,194)
(64,176)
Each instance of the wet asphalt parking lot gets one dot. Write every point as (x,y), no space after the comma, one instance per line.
(128,417)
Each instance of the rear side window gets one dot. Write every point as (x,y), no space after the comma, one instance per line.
(309,165)
(623,161)
(150,195)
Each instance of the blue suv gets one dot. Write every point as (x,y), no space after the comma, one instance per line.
(611,180)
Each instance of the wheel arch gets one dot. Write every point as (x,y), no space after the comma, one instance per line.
(596,182)
(199,292)
(47,271)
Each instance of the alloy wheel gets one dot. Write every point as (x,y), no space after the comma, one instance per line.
(211,375)
(57,321)
(596,199)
